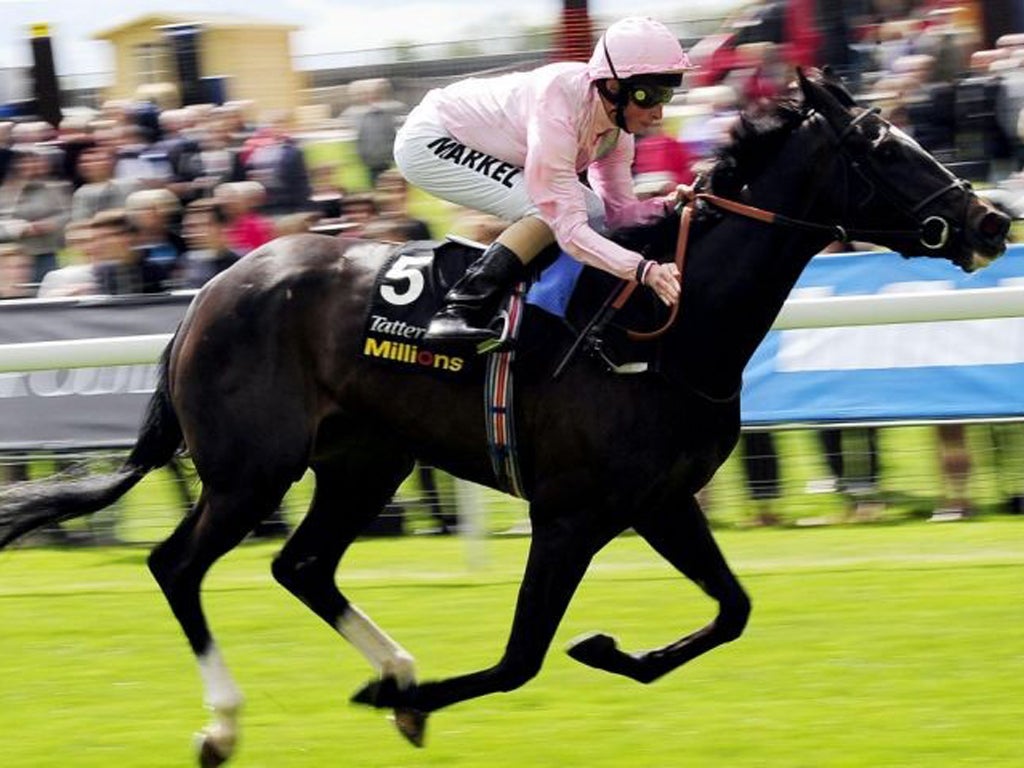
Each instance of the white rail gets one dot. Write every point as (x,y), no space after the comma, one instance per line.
(876,309)
(82,353)
(888,308)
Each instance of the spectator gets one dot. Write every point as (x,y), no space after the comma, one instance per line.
(273,158)
(235,115)
(327,194)
(710,112)
(392,199)
(101,191)
(34,207)
(761,468)
(1008,443)
(218,161)
(74,136)
(209,250)
(137,161)
(78,277)
(248,228)
(6,151)
(375,127)
(661,162)
(121,270)
(16,279)
(955,466)
(159,247)
(357,211)
(180,150)
(853,461)
(15,283)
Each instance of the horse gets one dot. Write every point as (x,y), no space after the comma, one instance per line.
(264,378)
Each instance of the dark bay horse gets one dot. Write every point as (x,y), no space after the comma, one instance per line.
(265,379)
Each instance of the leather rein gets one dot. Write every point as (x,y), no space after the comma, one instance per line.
(936,226)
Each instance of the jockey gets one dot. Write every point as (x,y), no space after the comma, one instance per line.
(514,146)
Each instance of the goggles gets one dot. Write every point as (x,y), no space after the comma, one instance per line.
(649,95)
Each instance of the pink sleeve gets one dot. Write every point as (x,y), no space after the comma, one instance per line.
(553,185)
(612,178)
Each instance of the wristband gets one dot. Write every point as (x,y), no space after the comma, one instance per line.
(642,269)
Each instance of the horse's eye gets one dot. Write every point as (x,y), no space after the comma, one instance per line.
(858,143)
(887,151)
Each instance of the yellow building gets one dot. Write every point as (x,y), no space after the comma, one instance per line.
(252,57)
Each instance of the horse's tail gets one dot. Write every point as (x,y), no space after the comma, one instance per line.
(24,507)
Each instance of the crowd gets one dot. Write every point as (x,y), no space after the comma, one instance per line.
(137,200)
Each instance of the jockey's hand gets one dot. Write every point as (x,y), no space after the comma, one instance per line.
(684,194)
(663,279)
(675,195)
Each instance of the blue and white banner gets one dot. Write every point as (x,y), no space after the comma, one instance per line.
(907,372)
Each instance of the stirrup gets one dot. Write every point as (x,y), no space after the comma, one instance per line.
(501,340)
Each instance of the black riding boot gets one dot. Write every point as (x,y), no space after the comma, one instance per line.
(471,304)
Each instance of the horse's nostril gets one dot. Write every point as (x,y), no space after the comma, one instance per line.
(994,224)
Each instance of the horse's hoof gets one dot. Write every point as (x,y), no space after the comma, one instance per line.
(411,723)
(367,695)
(209,755)
(382,694)
(594,650)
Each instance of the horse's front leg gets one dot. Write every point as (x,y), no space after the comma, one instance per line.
(559,555)
(683,538)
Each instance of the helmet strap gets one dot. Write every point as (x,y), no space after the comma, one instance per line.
(620,100)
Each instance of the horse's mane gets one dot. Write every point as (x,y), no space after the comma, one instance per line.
(754,141)
(759,133)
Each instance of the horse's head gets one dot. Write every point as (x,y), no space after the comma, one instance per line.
(894,189)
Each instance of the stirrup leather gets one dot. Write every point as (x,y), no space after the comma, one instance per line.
(502,340)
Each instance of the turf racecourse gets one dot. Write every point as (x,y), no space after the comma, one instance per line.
(876,646)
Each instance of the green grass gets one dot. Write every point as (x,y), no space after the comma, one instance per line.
(878,646)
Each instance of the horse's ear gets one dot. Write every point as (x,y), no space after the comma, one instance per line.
(821,98)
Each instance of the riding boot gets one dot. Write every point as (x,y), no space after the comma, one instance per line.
(471,304)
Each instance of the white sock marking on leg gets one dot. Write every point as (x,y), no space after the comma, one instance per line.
(387,657)
(219,688)
(223,696)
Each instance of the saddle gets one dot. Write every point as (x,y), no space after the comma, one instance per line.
(415,276)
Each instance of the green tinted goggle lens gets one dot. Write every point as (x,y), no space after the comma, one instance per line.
(650,96)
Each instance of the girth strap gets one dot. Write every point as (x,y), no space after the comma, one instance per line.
(499,415)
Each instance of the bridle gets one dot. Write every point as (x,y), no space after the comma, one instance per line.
(933,231)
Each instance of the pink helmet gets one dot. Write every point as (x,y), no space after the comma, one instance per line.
(637,45)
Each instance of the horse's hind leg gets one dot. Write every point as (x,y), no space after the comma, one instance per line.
(351,490)
(560,551)
(217,523)
(683,538)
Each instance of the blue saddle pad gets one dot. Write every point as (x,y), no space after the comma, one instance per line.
(555,285)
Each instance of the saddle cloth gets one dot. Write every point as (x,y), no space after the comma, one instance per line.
(407,292)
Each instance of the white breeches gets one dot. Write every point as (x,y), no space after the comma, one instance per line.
(429,157)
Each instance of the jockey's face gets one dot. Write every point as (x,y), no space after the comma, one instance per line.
(638,116)
(639,119)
